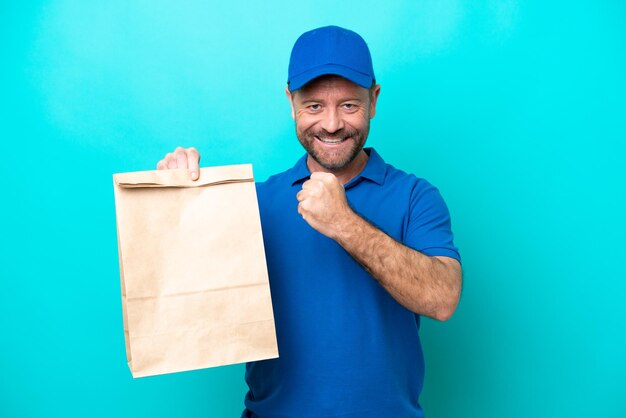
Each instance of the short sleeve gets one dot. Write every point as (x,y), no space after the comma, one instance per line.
(429,229)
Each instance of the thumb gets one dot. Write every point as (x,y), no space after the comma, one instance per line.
(193,169)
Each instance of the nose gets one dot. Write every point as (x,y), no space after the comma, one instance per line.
(331,121)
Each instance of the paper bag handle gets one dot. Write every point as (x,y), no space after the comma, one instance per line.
(209,176)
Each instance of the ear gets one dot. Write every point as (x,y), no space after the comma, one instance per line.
(374,100)
(293,110)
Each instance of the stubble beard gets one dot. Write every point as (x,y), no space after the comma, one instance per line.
(340,158)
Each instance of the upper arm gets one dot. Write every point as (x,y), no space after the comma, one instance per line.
(428,228)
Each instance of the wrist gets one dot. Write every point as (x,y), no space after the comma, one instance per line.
(347,224)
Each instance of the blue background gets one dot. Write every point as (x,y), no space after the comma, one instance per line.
(515,110)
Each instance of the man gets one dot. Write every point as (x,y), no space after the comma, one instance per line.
(356,251)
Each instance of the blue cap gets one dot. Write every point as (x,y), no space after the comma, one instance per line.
(330,50)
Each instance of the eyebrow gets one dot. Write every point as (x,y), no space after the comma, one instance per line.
(343,99)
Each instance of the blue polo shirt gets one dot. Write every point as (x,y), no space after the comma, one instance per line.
(347,348)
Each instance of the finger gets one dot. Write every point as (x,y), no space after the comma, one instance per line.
(170,161)
(302,194)
(327,178)
(311,184)
(193,158)
(304,207)
(320,175)
(181,157)
(161,165)
(314,187)
(302,210)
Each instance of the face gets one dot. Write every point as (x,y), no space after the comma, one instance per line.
(332,116)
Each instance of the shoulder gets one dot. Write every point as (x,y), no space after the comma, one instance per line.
(421,194)
(415,185)
(427,226)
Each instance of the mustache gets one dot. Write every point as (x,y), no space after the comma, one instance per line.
(339,135)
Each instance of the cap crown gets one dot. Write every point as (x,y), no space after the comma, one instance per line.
(330,50)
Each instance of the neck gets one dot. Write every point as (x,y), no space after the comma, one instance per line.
(344,174)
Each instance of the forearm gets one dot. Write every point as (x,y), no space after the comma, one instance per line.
(425,285)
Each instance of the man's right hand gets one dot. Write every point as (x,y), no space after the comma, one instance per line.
(188,158)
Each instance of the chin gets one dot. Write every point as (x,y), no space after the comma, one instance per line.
(336,163)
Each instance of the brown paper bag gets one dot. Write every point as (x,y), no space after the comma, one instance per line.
(195,290)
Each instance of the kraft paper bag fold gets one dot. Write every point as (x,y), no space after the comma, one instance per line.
(195,290)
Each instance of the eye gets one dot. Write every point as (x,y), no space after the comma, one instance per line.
(315,107)
(350,107)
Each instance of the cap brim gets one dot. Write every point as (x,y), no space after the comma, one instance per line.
(300,80)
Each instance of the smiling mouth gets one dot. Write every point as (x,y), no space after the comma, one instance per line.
(331,141)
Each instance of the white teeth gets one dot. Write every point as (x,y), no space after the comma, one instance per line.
(331,141)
